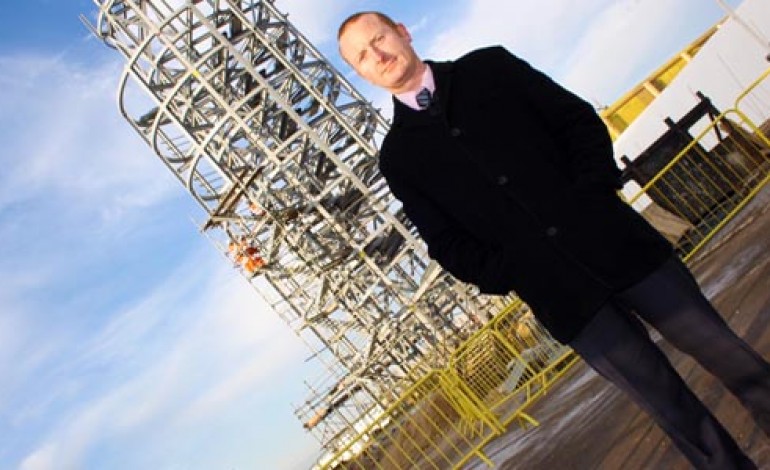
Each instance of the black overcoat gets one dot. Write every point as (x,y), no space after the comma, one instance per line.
(511,182)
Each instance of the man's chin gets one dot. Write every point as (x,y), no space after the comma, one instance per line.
(394,80)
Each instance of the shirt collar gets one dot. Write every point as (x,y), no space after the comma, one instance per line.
(409,98)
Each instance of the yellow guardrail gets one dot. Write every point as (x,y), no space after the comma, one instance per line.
(490,382)
(508,364)
(706,184)
(421,430)
(450,414)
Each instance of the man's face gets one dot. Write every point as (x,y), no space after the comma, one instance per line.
(381,54)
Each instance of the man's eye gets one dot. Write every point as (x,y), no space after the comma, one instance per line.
(379,38)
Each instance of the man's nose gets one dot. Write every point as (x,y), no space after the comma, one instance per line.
(379,53)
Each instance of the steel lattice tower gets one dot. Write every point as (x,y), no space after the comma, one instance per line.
(280,152)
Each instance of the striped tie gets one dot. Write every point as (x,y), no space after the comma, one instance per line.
(423,98)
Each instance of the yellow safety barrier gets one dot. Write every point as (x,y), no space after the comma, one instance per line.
(508,364)
(706,184)
(449,415)
(421,430)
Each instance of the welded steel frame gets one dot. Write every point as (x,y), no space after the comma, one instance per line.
(280,151)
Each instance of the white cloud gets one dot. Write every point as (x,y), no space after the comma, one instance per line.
(597,48)
(532,29)
(318,21)
(65,138)
(66,157)
(219,346)
(621,40)
(42,459)
(142,374)
(12,328)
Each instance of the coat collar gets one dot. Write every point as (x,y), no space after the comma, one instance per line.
(404,116)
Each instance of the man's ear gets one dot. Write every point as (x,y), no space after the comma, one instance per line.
(403,32)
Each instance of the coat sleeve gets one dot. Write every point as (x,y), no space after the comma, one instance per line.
(454,248)
(574,124)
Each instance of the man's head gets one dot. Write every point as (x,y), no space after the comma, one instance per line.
(380,50)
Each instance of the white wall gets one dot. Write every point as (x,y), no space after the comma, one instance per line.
(727,64)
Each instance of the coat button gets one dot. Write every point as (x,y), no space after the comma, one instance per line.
(502,180)
(455,132)
(551,231)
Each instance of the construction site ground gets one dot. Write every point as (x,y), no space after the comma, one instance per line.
(585,423)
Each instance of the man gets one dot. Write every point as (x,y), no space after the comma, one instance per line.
(511,182)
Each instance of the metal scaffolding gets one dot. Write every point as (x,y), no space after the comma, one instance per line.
(280,152)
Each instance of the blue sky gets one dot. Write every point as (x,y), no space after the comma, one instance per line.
(126,340)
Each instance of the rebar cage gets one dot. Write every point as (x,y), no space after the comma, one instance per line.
(279,150)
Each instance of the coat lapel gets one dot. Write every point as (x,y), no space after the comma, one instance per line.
(442,74)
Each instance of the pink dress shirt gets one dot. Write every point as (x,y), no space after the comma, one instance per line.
(409,98)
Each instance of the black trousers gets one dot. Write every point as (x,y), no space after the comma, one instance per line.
(616,344)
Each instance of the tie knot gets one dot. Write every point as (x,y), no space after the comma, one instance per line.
(423,98)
